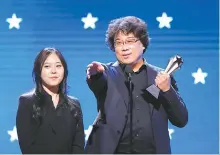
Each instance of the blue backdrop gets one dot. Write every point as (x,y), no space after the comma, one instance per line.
(192,33)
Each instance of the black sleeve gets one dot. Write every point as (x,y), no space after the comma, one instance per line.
(79,140)
(27,130)
(175,106)
(98,84)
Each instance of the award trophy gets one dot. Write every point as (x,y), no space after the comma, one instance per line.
(174,64)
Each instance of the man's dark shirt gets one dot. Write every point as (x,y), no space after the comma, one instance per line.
(142,137)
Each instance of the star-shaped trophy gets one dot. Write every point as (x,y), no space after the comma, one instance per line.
(174,64)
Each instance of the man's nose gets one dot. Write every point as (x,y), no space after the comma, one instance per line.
(124,47)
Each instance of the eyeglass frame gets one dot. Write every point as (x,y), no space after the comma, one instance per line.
(126,42)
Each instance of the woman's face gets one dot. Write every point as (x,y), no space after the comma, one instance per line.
(52,72)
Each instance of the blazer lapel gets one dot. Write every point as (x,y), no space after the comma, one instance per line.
(151,75)
(120,82)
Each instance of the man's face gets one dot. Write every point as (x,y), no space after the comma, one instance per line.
(128,48)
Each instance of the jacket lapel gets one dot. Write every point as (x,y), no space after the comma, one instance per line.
(120,81)
(151,75)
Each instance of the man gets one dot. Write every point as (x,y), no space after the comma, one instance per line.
(111,133)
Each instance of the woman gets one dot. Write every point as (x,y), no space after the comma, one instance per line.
(49,121)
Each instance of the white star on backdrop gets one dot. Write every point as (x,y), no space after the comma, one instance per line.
(13,134)
(171,131)
(14,21)
(199,76)
(164,20)
(88,131)
(89,21)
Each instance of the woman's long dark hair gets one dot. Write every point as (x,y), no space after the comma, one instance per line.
(36,73)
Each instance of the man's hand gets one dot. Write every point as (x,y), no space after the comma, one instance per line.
(162,81)
(94,68)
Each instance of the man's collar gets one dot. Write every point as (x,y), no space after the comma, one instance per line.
(122,66)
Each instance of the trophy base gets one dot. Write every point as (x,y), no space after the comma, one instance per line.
(154,90)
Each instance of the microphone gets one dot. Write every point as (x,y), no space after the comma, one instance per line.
(128,70)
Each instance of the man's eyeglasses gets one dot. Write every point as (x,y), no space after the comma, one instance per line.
(130,41)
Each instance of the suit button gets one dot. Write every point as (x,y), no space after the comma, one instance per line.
(118,132)
(137,108)
(137,135)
